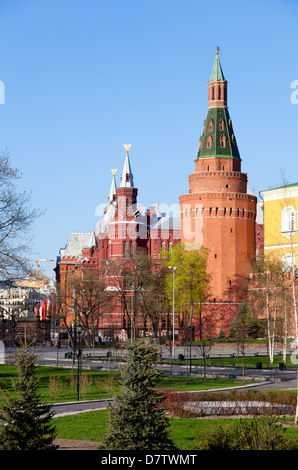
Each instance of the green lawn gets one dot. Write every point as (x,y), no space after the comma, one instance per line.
(184,432)
(194,383)
(249,361)
(59,384)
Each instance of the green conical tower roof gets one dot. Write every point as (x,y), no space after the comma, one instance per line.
(218,138)
(218,128)
(217,73)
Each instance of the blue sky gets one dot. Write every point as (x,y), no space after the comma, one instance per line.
(83,77)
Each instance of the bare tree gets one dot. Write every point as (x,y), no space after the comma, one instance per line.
(116,273)
(148,284)
(267,296)
(136,284)
(88,296)
(16,220)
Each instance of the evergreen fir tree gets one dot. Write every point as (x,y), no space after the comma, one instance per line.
(25,420)
(137,422)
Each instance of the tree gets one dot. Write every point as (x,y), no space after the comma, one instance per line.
(137,284)
(16,221)
(117,275)
(269,296)
(137,421)
(191,281)
(240,325)
(147,284)
(88,297)
(205,334)
(26,420)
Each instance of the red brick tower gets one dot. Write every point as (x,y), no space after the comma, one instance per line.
(218,213)
(127,230)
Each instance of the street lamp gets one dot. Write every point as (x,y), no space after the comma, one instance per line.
(79,330)
(174,269)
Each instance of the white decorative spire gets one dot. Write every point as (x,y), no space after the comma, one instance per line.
(113,186)
(127,176)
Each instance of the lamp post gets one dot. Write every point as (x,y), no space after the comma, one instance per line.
(79,330)
(173,269)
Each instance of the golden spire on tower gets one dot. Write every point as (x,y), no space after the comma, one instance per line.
(127,147)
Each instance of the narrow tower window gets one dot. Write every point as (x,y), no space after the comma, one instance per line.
(222,125)
(211,125)
(223,141)
(209,141)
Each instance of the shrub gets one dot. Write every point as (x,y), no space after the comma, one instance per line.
(255,434)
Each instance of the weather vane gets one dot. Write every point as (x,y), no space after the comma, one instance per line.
(127,147)
(217,50)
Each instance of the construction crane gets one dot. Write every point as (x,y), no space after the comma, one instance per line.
(39,260)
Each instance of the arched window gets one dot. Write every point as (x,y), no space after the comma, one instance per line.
(223,141)
(288,262)
(211,125)
(221,125)
(131,249)
(125,249)
(288,220)
(209,141)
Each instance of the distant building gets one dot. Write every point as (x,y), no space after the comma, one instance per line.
(27,298)
(280,224)
(260,229)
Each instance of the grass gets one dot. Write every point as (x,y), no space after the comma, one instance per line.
(184,432)
(249,361)
(86,426)
(59,384)
(93,424)
(193,383)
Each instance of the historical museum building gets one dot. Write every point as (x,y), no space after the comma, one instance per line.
(125,228)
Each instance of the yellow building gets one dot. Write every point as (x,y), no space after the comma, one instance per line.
(280,224)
